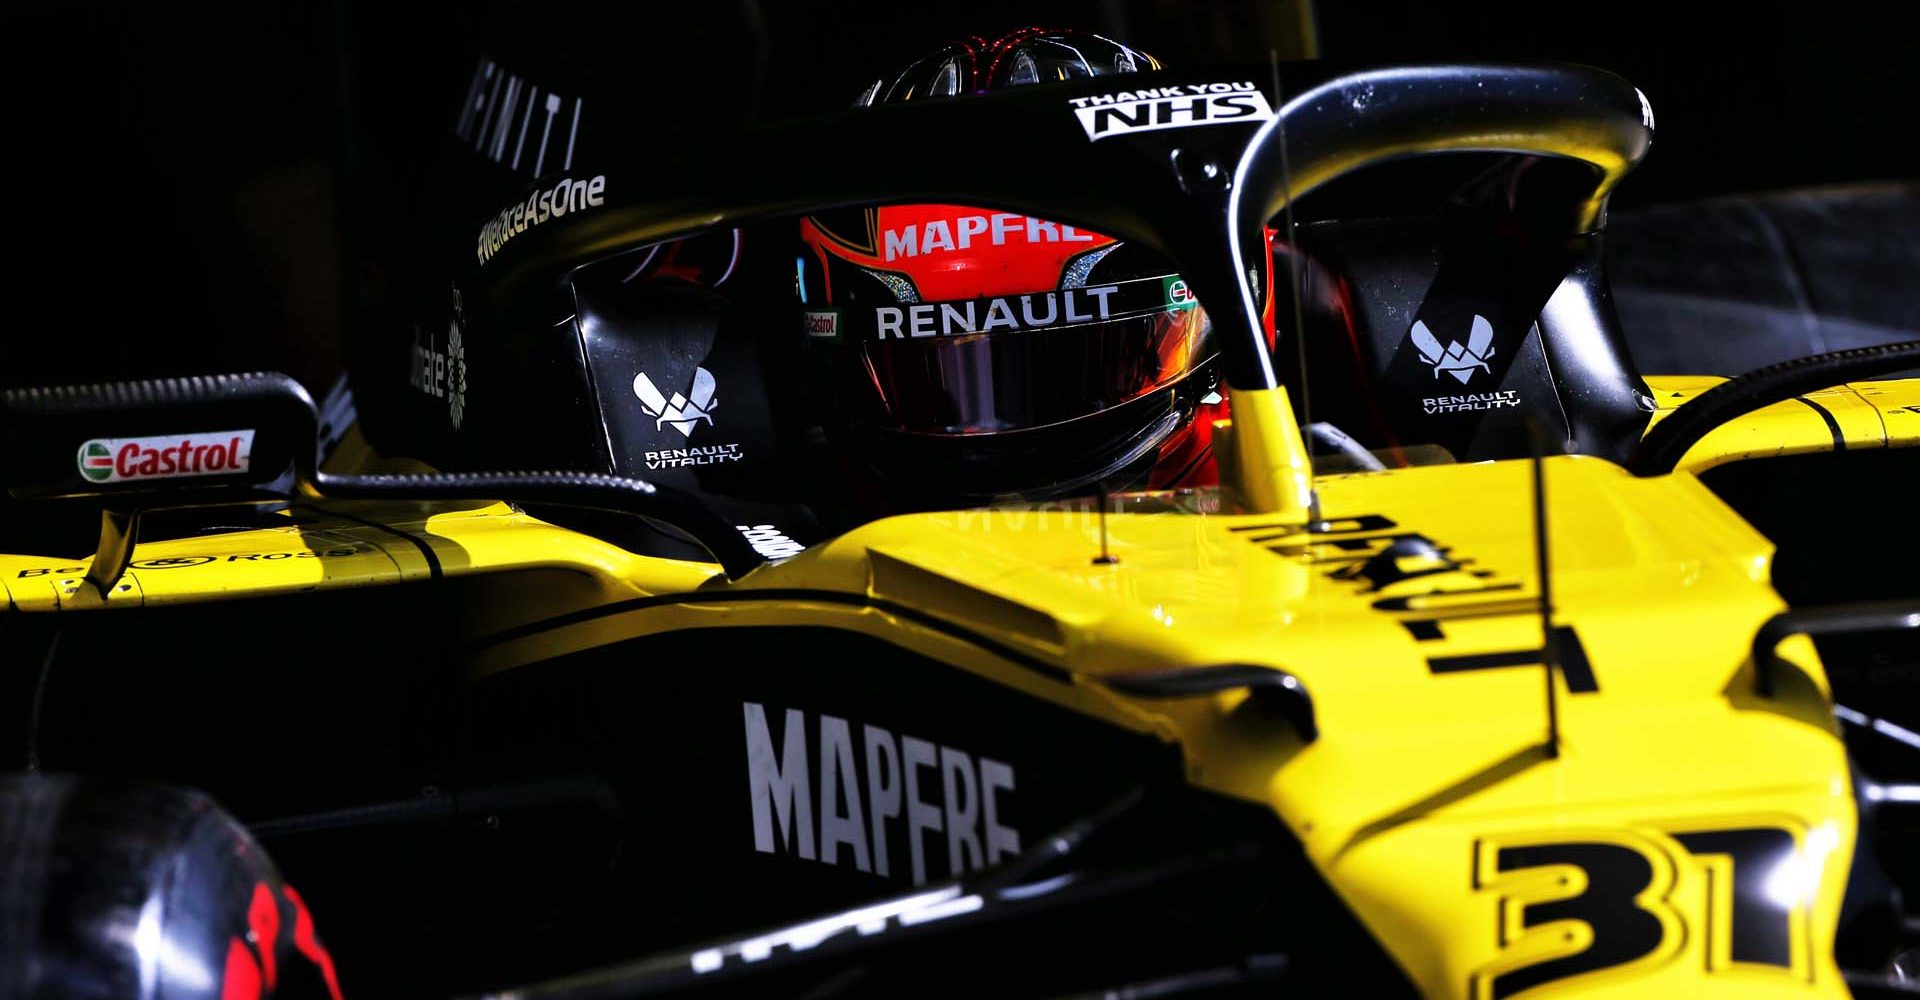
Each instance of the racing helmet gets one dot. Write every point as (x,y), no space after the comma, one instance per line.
(980,355)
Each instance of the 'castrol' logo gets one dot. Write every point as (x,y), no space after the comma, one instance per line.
(209,453)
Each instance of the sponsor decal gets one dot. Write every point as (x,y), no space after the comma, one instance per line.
(516,123)
(206,453)
(878,918)
(770,541)
(938,806)
(1472,401)
(986,315)
(439,373)
(675,458)
(171,562)
(1179,296)
(44,570)
(247,557)
(683,412)
(568,195)
(962,232)
(184,562)
(866,922)
(821,322)
(1460,362)
(1154,108)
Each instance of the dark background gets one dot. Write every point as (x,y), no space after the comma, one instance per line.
(221,186)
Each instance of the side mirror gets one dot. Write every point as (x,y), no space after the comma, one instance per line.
(164,444)
(225,440)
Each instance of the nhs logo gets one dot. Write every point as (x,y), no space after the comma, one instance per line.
(1154,108)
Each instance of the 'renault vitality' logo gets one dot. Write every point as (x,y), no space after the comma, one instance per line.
(1462,363)
(683,412)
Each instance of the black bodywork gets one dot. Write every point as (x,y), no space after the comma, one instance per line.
(461,836)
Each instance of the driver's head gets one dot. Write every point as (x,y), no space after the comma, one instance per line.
(980,354)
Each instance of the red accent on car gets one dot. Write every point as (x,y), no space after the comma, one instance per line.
(1010,41)
(309,944)
(241,981)
(263,918)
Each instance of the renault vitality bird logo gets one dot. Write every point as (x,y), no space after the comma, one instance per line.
(683,412)
(1453,359)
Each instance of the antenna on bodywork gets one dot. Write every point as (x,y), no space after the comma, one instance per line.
(1106,557)
(1543,565)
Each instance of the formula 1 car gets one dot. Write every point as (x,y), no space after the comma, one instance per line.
(1584,684)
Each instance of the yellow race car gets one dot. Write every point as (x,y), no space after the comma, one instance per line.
(1472,678)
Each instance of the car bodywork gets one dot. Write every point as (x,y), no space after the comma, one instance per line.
(1511,714)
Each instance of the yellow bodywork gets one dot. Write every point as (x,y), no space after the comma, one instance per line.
(1420,777)
(1858,414)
